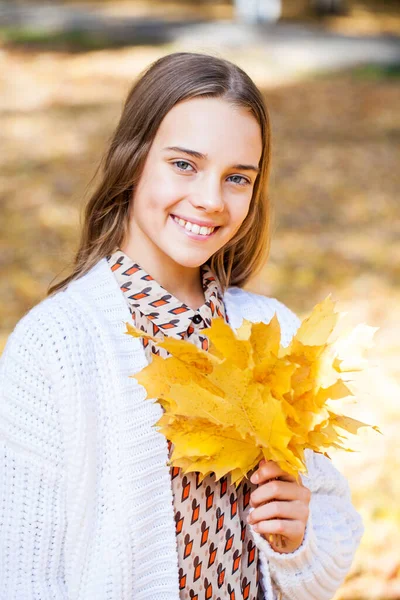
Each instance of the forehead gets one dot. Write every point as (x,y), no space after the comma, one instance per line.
(212,126)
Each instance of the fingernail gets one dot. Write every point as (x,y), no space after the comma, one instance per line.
(254,478)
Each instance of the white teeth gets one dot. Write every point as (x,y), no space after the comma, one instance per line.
(193,227)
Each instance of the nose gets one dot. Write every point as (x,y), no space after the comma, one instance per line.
(208,196)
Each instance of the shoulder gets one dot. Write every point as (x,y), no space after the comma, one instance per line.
(40,333)
(257,307)
(66,310)
(38,319)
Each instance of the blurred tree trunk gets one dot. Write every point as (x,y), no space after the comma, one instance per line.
(257,11)
(328,7)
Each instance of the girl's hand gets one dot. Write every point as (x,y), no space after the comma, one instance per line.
(281,506)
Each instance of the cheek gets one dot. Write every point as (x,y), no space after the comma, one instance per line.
(166,184)
(162,193)
(153,199)
(156,188)
(240,212)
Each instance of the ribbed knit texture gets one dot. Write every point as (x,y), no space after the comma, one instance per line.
(86,507)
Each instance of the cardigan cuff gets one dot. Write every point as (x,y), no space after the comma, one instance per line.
(294,561)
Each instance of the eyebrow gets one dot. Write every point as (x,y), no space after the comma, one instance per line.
(199,155)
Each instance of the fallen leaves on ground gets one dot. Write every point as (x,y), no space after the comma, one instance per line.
(334,186)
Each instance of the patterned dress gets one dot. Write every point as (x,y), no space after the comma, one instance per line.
(218,559)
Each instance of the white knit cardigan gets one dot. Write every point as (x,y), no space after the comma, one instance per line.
(86,506)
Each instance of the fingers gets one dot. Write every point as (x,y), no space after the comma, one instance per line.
(279,490)
(288,528)
(269,470)
(276,511)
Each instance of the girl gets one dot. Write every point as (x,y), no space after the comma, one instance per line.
(89,507)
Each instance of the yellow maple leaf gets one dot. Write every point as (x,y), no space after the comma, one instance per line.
(248,397)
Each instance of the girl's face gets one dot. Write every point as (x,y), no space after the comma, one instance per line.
(197,182)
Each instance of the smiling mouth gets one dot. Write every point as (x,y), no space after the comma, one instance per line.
(194,229)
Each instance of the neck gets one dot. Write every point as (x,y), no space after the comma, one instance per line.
(182,282)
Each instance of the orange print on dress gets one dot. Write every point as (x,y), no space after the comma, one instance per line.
(178,522)
(197,568)
(174,472)
(243,530)
(245,588)
(178,310)
(246,496)
(221,575)
(236,561)
(213,554)
(209,498)
(251,549)
(219,313)
(220,520)
(231,592)
(131,270)
(204,533)
(117,265)
(182,579)
(140,295)
(161,301)
(156,328)
(188,546)
(195,511)
(208,589)
(234,503)
(229,540)
(224,485)
(170,325)
(185,489)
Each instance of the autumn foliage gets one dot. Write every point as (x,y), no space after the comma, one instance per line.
(249,398)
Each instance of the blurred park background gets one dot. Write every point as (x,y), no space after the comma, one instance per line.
(330,71)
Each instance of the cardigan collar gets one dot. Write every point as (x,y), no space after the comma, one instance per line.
(99,288)
(141,448)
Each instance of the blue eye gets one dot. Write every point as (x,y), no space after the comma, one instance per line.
(245,181)
(183,165)
(182,162)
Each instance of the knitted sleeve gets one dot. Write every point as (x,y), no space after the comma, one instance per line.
(31,476)
(334,528)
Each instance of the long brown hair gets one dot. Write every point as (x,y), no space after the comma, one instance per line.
(169,80)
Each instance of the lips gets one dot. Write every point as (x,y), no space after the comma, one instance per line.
(196,221)
(194,231)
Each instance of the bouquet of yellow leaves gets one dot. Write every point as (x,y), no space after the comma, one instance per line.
(249,398)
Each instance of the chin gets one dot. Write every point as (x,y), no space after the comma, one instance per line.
(191,262)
